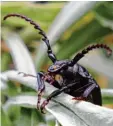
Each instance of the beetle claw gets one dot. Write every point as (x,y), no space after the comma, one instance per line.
(42,108)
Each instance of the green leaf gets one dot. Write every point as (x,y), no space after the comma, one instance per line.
(104,14)
(71,13)
(29,117)
(107,96)
(41,13)
(90,33)
(5,60)
(107,100)
(5,120)
(105,10)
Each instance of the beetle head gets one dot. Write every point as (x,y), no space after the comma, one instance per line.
(58,66)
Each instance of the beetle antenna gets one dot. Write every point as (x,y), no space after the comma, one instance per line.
(41,32)
(89,48)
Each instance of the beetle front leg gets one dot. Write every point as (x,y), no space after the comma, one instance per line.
(53,94)
(40,83)
(41,87)
(41,77)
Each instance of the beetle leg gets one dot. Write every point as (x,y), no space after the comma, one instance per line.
(53,94)
(93,89)
(86,93)
(41,77)
(41,87)
(88,90)
(96,95)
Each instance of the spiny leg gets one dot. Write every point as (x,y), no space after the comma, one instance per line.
(40,83)
(53,94)
(41,87)
(41,77)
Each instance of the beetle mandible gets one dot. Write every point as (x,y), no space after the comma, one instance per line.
(76,80)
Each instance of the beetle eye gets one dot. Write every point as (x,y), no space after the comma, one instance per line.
(54,67)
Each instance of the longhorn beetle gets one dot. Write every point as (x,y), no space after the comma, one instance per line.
(76,80)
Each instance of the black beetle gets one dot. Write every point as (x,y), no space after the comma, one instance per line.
(76,80)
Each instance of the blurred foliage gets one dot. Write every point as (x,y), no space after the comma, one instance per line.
(95,26)
(43,14)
